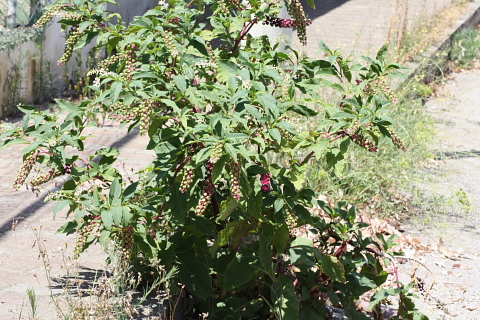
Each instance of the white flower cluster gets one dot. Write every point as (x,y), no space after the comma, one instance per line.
(56,196)
(205,64)
(4,127)
(100,73)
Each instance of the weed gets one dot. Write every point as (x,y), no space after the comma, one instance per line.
(32,298)
(466,48)
(14,84)
(119,293)
(43,80)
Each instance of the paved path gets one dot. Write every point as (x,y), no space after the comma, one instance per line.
(357,24)
(362,26)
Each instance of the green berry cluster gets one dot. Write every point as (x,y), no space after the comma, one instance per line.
(217,152)
(290,219)
(295,10)
(130,61)
(167,37)
(48,15)
(187,179)
(27,166)
(363,142)
(222,8)
(141,112)
(44,178)
(385,88)
(126,243)
(235,181)
(108,62)
(83,235)
(207,191)
(72,39)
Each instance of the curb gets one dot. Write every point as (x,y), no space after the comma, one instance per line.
(435,63)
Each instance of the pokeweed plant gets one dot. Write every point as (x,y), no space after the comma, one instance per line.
(217,203)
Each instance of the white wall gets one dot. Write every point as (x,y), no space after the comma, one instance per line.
(53,42)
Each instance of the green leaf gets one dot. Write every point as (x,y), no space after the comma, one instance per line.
(281,237)
(382,295)
(121,215)
(331,267)
(194,275)
(269,103)
(278,204)
(68,106)
(323,46)
(218,168)
(276,135)
(59,206)
(231,150)
(107,219)
(382,54)
(115,90)
(288,299)
(180,82)
(197,44)
(115,192)
(27,109)
(226,69)
(68,228)
(239,271)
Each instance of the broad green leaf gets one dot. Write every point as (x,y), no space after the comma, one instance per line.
(281,237)
(107,219)
(276,135)
(115,192)
(194,275)
(226,70)
(331,267)
(180,82)
(59,206)
(67,105)
(240,270)
(382,295)
(68,228)
(278,204)
(288,298)
(218,168)
(121,215)
(115,90)
(269,103)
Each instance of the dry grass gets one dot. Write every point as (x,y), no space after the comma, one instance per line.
(408,44)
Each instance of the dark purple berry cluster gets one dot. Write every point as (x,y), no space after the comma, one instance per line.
(295,10)
(280,22)
(363,142)
(266,182)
